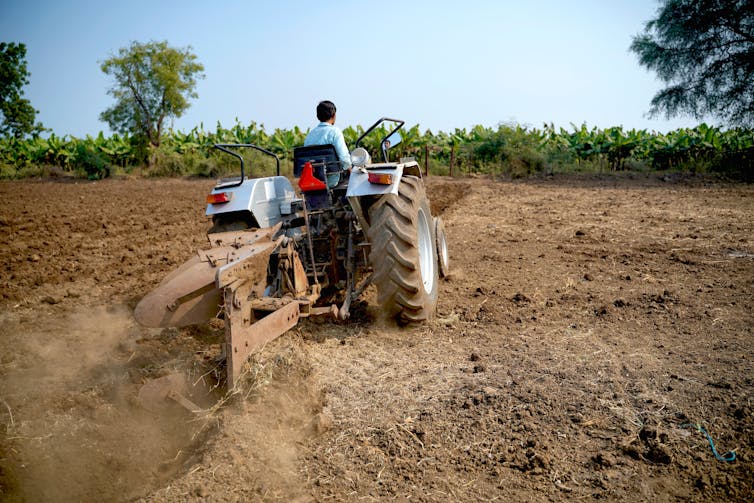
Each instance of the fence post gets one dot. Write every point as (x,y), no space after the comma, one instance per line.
(452,157)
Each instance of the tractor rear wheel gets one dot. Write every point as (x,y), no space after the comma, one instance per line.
(404,254)
(227,222)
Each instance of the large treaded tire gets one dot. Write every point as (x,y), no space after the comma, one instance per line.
(227,222)
(404,255)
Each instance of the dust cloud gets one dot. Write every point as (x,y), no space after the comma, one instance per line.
(264,428)
(73,428)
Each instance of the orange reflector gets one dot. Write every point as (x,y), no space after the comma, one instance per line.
(219,198)
(381,178)
(308,182)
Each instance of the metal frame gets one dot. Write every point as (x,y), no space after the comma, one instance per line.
(225,146)
(382,142)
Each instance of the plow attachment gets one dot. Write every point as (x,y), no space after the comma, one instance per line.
(193,293)
(231,279)
(185,297)
(225,281)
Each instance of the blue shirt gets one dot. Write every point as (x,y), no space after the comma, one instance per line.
(327,134)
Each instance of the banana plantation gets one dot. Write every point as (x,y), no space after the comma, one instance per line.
(507,150)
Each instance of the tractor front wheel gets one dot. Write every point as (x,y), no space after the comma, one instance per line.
(404,253)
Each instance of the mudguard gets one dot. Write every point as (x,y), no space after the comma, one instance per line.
(359,185)
(262,197)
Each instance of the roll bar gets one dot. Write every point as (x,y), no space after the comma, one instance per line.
(226,146)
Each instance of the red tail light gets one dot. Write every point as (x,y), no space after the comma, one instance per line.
(381,178)
(219,198)
(308,182)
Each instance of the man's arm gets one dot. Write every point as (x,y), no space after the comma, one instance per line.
(340,147)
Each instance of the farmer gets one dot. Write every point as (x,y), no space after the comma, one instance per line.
(326,133)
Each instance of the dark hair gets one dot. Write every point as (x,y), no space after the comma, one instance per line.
(325,110)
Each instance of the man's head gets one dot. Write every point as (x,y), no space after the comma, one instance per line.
(326,111)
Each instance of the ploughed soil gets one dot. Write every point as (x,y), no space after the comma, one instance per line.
(588,330)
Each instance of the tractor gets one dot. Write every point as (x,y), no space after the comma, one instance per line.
(277,254)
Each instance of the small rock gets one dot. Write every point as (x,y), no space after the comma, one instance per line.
(35,258)
(478,369)
(50,300)
(475,357)
(580,233)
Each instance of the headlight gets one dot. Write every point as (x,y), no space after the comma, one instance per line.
(360,157)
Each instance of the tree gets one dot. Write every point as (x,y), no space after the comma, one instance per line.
(17,113)
(703,50)
(153,82)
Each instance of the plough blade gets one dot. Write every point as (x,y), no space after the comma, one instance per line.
(164,393)
(186,297)
(192,294)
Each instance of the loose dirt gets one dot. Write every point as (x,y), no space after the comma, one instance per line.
(587,326)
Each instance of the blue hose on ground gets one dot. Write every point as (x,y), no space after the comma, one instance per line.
(728,457)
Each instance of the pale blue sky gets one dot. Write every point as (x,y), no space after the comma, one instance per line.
(441,64)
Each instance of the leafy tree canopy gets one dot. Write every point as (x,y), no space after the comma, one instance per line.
(17,113)
(704,52)
(153,82)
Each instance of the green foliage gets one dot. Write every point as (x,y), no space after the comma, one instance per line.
(93,163)
(508,150)
(703,50)
(18,115)
(153,82)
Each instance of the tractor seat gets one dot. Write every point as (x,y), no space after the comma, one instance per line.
(324,160)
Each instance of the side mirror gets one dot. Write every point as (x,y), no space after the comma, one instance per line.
(391,141)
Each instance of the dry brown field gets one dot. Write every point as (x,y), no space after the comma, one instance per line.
(585,325)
